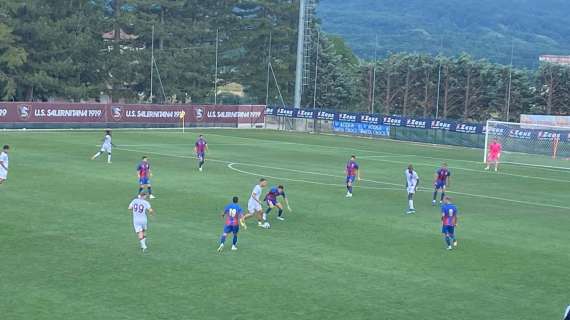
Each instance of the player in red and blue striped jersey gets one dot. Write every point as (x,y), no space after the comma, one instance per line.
(352,174)
(272,202)
(449,222)
(200,149)
(442,180)
(144,174)
(233,215)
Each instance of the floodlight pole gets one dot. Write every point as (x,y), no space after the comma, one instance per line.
(216,75)
(151,62)
(300,45)
(510,81)
(268,70)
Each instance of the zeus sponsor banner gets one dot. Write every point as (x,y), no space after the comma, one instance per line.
(467,128)
(304,113)
(549,135)
(361,128)
(369,119)
(270,111)
(285,112)
(324,115)
(520,134)
(347,117)
(416,123)
(442,125)
(393,121)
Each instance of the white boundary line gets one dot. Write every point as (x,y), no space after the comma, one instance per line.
(232,167)
(537,204)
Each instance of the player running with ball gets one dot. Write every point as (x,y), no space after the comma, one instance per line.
(254,206)
(272,202)
(412,183)
(494,156)
(140,207)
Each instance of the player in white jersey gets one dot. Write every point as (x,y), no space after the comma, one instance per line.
(4,164)
(254,207)
(412,183)
(140,207)
(107,146)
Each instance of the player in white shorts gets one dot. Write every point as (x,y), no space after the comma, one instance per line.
(139,207)
(107,146)
(254,207)
(4,163)
(412,182)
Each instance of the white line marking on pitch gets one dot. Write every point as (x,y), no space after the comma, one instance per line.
(538,204)
(336,185)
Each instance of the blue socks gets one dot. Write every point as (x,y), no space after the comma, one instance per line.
(349,188)
(234,241)
(435,195)
(149,190)
(448,240)
(223,239)
(280,212)
(442,196)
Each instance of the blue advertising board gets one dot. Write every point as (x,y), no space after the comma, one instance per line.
(361,128)
(376,124)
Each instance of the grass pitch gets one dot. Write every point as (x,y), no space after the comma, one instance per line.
(68,250)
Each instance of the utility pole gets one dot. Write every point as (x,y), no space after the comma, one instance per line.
(300,45)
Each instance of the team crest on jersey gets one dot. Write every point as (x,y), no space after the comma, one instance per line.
(117,112)
(24,112)
(199,114)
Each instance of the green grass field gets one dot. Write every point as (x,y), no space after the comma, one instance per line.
(68,250)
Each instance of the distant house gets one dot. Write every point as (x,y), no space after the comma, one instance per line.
(563,60)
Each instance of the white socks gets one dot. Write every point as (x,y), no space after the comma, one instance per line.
(109,158)
(143,243)
(411,203)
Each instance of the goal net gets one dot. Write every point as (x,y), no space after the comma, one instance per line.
(530,144)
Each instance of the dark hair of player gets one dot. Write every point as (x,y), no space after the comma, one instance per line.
(235,200)
(6,147)
(447,199)
(142,194)
(262,180)
(280,187)
(144,157)
(108,132)
(353,156)
(410,167)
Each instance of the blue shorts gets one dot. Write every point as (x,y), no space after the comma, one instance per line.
(448,230)
(201,156)
(143,181)
(272,202)
(440,185)
(231,229)
(350,179)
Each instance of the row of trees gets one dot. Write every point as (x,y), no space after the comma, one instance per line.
(83,49)
(452,87)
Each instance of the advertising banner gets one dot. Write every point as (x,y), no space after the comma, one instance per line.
(39,112)
(361,128)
